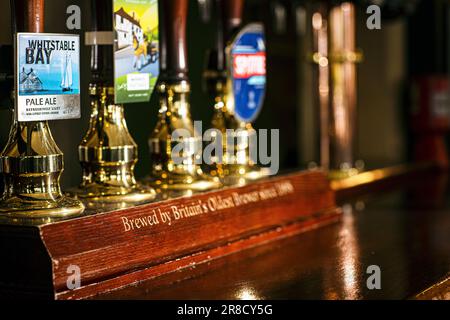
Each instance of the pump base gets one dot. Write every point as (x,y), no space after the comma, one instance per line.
(100,196)
(171,185)
(33,211)
(239,175)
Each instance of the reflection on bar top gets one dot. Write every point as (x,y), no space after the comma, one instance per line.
(376,175)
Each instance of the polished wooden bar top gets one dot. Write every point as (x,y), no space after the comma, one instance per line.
(404,229)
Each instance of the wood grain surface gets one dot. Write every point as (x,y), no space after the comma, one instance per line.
(114,249)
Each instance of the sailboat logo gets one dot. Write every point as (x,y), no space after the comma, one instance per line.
(66,74)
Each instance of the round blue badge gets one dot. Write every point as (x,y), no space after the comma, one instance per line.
(247,61)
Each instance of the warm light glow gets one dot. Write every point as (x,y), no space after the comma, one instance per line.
(317,21)
(347,6)
(371,176)
(323,61)
(248,293)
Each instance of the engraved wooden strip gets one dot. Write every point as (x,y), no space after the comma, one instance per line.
(102,248)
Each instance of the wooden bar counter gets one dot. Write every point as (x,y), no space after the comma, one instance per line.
(304,243)
(399,221)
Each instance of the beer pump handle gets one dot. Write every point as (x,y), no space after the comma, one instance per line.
(173,47)
(101,20)
(205,10)
(229,19)
(28,15)
(31,158)
(102,55)
(231,15)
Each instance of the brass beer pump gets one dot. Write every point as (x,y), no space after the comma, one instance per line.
(31,163)
(108,154)
(236,167)
(336,57)
(181,175)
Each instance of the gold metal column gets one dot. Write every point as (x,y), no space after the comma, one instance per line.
(31,162)
(169,176)
(107,153)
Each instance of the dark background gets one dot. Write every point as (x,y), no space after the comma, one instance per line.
(407,44)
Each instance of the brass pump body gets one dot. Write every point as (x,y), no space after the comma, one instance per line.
(168,176)
(236,166)
(32,164)
(179,176)
(108,155)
